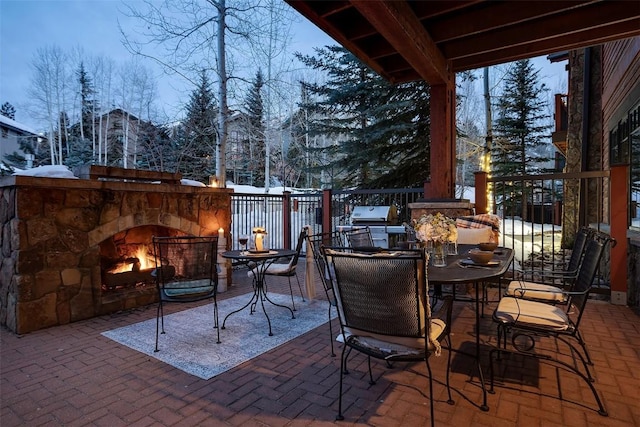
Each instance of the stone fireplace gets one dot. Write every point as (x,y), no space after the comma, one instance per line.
(73,249)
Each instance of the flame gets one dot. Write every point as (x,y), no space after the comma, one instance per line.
(146,262)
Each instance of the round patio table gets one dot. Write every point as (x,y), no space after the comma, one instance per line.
(262,261)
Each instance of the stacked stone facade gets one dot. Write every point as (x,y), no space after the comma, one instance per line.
(51,232)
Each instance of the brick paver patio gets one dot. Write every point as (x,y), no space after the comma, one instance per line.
(72,376)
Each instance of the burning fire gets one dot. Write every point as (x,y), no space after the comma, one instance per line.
(141,260)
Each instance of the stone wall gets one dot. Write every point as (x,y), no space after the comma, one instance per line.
(51,231)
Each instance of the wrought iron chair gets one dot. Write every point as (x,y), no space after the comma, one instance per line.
(289,269)
(186,270)
(359,237)
(529,321)
(316,241)
(548,285)
(385,312)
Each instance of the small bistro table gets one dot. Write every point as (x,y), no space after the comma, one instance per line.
(262,261)
(457,272)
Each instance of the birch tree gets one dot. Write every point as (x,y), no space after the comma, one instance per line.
(48,94)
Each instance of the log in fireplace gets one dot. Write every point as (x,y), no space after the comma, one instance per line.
(77,248)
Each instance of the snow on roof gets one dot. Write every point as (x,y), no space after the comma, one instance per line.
(49,171)
(12,123)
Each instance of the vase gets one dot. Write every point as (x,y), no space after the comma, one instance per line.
(439,254)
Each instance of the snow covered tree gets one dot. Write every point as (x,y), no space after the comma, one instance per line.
(522,143)
(379,132)
(8,110)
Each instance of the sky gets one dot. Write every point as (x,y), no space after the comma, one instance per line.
(29,25)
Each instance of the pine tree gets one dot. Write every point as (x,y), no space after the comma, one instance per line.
(254,145)
(8,110)
(521,131)
(198,150)
(81,135)
(379,132)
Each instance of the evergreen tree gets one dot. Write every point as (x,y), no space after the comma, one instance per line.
(198,149)
(254,146)
(8,110)
(521,131)
(158,150)
(379,132)
(81,135)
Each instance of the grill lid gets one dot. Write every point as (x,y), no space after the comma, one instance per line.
(374,214)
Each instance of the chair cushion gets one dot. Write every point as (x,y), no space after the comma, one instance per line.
(531,313)
(275,269)
(400,344)
(535,291)
(472,236)
(188,289)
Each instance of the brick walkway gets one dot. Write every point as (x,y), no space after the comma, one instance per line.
(71,375)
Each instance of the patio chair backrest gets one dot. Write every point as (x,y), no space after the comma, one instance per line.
(584,280)
(301,238)
(186,267)
(359,237)
(381,294)
(317,241)
(577,252)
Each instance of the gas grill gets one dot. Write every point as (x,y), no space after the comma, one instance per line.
(381,220)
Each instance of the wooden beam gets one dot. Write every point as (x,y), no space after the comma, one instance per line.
(397,23)
(442,161)
(619,223)
(542,47)
(580,22)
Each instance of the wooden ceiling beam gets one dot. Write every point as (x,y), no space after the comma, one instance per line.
(397,23)
(583,20)
(308,9)
(547,46)
(491,16)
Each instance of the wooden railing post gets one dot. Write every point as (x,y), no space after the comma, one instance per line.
(326,211)
(619,224)
(481,192)
(286,219)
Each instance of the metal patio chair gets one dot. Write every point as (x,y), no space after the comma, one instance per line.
(316,241)
(529,322)
(359,237)
(186,271)
(549,285)
(385,312)
(288,269)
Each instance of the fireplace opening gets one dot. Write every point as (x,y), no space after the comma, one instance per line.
(126,259)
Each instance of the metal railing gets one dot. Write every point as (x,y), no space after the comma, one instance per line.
(284,215)
(540,213)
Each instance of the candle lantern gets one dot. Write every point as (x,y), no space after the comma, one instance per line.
(259,242)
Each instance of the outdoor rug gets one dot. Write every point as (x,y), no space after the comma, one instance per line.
(189,343)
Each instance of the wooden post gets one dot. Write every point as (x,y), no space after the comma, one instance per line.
(326,211)
(442,162)
(619,224)
(481,192)
(286,219)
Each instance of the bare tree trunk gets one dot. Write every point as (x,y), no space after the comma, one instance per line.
(221,146)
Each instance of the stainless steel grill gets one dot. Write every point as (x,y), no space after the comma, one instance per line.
(381,220)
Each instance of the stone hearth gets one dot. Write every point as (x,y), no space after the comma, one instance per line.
(53,229)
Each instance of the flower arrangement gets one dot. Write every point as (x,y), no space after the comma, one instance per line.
(435,227)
